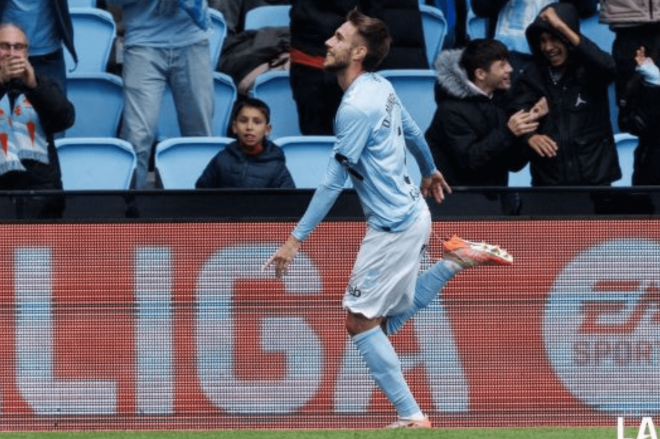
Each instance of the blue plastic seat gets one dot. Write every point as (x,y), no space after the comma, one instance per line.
(522,178)
(96,163)
(225,96)
(306,158)
(599,33)
(415,88)
(217,35)
(267,16)
(82,4)
(94,34)
(99,102)
(625,145)
(180,161)
(274,88)
(435,30)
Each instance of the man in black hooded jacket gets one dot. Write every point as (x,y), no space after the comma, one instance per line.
(574,143)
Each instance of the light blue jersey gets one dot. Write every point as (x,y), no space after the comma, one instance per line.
(372,130)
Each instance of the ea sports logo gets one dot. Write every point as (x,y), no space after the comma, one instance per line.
(602,327)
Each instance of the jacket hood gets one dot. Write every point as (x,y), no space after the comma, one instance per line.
(569,15)
(452,79)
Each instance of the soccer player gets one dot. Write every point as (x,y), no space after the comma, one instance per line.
(372,130)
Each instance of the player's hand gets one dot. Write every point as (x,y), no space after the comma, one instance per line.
(543,145)
(283,256)
(436,186)
(522,122)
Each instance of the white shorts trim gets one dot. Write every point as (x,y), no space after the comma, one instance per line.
(385,272)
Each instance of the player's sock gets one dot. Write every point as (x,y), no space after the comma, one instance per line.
(428,286)
(385,368)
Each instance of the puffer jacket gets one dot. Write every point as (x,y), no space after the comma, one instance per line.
(468,136)
(579,118)
(617,12)
(232,168)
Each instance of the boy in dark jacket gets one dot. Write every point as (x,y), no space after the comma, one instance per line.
(574,143)
(252,161)
(473,141)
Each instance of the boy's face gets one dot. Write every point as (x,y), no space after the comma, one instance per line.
(250,127)
(554,50)
(498,76)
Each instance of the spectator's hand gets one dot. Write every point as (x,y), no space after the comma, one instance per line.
(283,256)
(540,108)
(522,122)
(543,145)
(646,67)
(436,186)
(17,67)
(550,16)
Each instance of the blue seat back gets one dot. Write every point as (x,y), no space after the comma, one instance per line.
(217,36)
(415,88)
(267,16)
(98,100)
(274,88)
(94,34)
(225,96)
(180,161)
(306,158)
(82,3)
(625,146)
(522,178)
(435,30)
(96,163)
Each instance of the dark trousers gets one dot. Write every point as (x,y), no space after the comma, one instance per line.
(317,95)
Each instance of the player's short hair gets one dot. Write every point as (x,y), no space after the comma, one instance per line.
(376,35)
(481,53)
(251,103)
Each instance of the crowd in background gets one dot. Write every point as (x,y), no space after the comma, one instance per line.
(475,135)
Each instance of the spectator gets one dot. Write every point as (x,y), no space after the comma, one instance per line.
(234,11)
(252,161)
(47,25)
(574,143)
(508,19)
(33,109)
(472,140)
(164,45)
(636,52)
(315,91)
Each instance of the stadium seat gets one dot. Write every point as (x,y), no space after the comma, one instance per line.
(597,32)
(225,96)
(415,88)
(306,157)
(94,33)
(267,16)
(180,161)
(99,102)
(435,30)
(274,88)
(476,27)
(82,4)
(96,163)
(521,178)
(217,36)
(625,146)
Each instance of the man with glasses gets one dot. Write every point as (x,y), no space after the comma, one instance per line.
(32,109)
(47,24)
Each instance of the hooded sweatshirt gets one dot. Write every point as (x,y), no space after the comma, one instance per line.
(579,118)
(468,136)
